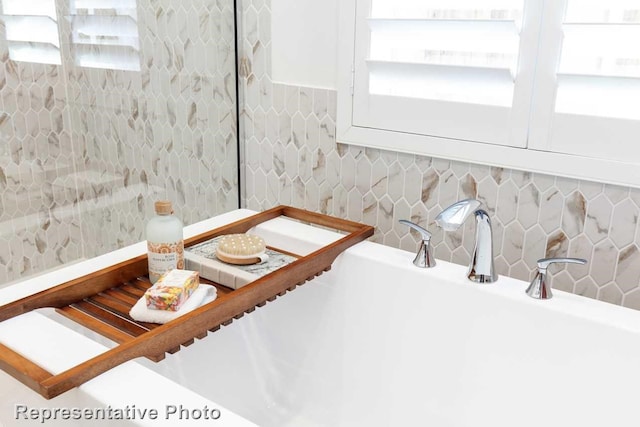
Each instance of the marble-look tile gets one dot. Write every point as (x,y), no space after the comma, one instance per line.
(468,187)
(488,194)
(628,272)
(561,280)
(551,205)
(604,261)
(616,193)
(292,95)
(624,223)
(574,214)
(298,130)
(312,196)
(326,199)
(513,243)
(320,103)
(535,246)
(632,299)
(521,271)
(586,287)
(580,247)
(363,175)
(429,191)
(566,185)
(413,185)
(610,293)
(396,181)
(379,178)
(508,197)
(278,97)
(327,136)
(369,208)
(598,218)
(355,208)
(528,206)
(447,189)
(557,244)
(313,133)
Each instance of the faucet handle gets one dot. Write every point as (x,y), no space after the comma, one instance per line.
(426,235)
(540,287)
(424,258)
(544,263)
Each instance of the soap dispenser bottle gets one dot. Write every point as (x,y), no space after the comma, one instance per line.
(165,244)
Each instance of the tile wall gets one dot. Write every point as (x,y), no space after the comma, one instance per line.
(166,131)
(84,152)
(292,157)
(40,224)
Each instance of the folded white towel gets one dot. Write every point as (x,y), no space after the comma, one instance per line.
(202,295)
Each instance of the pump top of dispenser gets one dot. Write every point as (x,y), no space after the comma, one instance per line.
(163,207)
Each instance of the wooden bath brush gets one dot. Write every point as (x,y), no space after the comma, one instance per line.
(241,249)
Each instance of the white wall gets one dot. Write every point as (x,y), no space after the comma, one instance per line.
(305,42)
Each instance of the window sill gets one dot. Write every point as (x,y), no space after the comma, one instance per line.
(557,164)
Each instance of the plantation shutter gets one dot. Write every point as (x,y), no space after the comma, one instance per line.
(104,34)
(31,30)
(460,69)
(590,83)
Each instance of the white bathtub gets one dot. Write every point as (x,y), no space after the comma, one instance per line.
(379,342)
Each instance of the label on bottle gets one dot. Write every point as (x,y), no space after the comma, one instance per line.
(164,257)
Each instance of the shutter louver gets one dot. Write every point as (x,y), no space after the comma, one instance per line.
(31,30)
(105,34)
(442,62)
(588,102)
(600,59)
(464,54)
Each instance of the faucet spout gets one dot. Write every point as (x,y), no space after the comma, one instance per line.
(481,268)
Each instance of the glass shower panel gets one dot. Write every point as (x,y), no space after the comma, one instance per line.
(142,107)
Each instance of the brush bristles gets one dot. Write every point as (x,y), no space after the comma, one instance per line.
(242,245)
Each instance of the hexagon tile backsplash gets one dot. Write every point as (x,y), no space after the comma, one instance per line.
(292,157)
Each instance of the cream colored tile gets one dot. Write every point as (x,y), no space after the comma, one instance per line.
(574,214)
(624,223)
(610,293)
(507,203)
(628,272)
(598,218)
(513,244)
(603,263)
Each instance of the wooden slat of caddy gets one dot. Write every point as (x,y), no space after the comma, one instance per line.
(129,289)
(95,324)
(117,294)
(131,328)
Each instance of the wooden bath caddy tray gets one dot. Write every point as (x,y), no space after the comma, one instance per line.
(101,301)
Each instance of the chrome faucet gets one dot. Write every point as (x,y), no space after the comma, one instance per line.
(481,269)
(424,258)
(540,288)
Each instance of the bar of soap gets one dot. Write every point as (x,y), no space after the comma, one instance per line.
(172,289)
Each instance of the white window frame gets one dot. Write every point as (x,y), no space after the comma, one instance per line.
(535,158)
